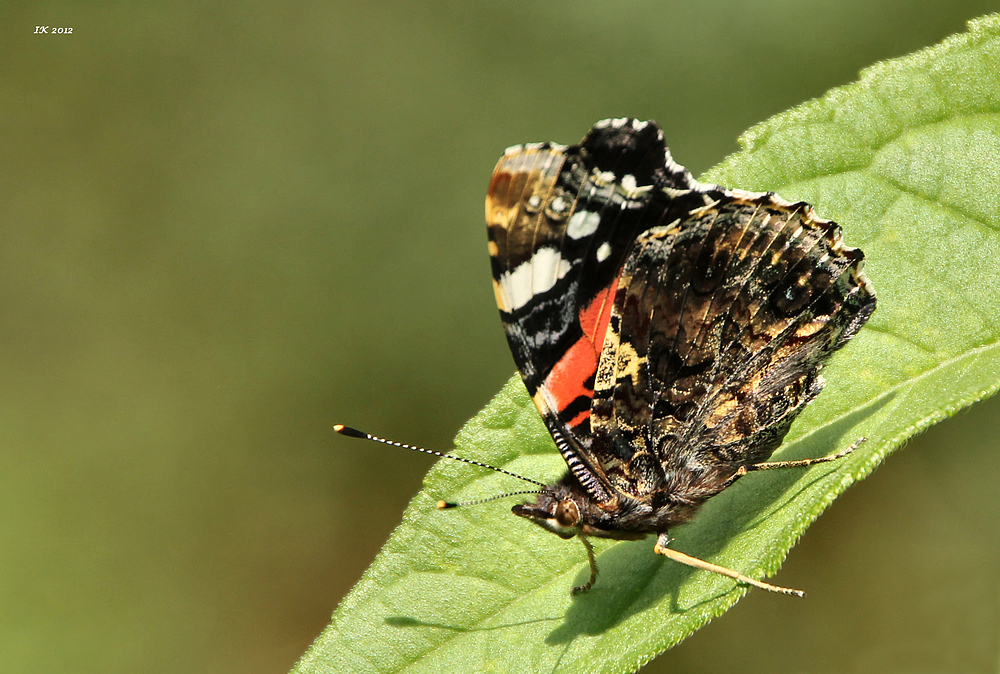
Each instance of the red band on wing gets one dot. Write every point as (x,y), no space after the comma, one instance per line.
(595,316)
(570,376)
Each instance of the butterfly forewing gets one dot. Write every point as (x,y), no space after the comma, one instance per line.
(561,223)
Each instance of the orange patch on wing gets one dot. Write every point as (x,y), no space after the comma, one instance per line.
(578,419)
(568,379)
(595,316)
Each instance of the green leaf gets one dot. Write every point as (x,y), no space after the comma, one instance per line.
(908,161)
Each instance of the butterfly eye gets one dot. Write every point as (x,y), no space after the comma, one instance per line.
(567,514)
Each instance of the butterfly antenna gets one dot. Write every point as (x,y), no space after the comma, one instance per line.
(459,504)
(355,433)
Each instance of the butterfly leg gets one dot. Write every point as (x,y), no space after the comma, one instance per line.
(802,463)
(661,549)
(593,568)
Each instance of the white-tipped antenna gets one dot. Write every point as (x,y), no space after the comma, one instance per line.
(355,433)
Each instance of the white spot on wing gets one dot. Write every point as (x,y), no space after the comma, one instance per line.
(603,252)
(616,123)
(531,278)
(582,223)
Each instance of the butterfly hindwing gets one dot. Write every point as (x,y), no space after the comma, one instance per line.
(720,325)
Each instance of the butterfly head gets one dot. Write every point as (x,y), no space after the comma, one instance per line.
(557,509)
(567,509)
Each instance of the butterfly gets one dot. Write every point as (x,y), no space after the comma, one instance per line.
(668,331)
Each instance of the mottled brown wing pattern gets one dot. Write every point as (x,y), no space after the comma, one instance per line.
(721,323)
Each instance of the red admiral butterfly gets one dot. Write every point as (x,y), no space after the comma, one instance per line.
(668,331)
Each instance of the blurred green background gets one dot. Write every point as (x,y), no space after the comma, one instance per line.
(226,227)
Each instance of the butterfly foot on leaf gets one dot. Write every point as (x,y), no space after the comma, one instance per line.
(661,549)
(580,589)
